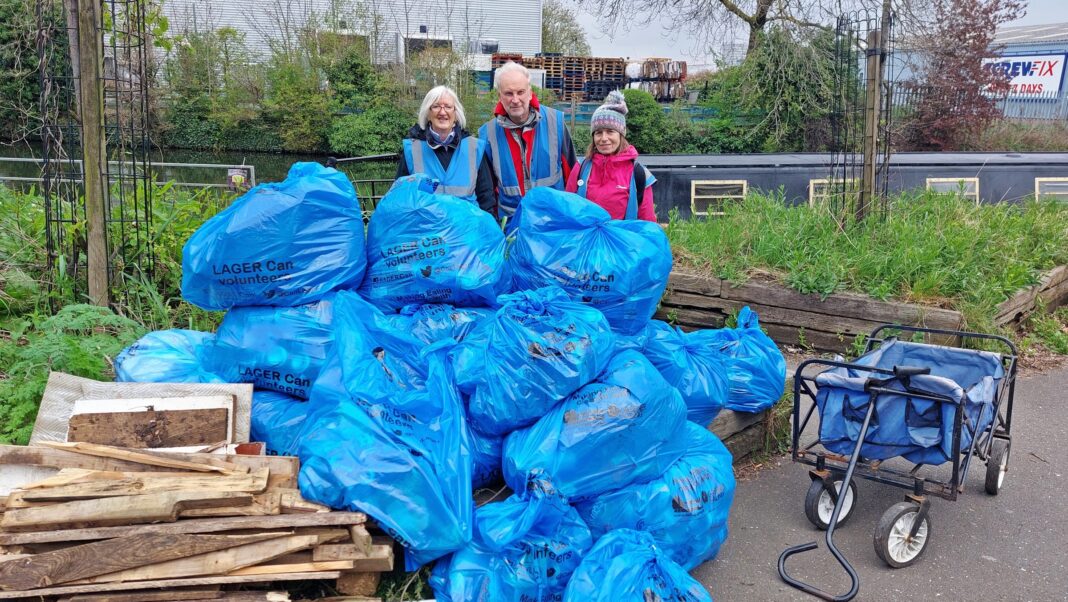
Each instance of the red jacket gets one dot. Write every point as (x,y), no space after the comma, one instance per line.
(567,153)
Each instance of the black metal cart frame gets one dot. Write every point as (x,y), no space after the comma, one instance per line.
(830,467)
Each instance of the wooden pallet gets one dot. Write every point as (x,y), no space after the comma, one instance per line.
(177,525)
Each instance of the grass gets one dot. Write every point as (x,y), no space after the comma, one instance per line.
(934,249)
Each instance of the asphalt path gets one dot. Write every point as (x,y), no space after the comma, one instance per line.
(1013,546)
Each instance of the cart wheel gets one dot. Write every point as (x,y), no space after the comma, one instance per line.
(819,506)
(996,466)
(892,541)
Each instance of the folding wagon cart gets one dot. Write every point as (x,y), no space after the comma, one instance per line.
(928,404)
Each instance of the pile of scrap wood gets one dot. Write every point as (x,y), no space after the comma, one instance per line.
(136,526)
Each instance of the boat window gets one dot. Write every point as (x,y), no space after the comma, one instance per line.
(965,187)
(1055,188)
(821,190)
(707,197)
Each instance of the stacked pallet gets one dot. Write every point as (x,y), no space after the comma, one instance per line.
(498,59)
(123,525)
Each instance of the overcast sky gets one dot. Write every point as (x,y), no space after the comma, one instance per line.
(656,40)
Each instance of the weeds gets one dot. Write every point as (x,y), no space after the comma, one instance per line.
(1047,330)
(80,340)
(930,248)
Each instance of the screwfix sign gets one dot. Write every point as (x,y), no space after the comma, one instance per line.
(1030,75)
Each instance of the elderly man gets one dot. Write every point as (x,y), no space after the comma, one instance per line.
(529,144)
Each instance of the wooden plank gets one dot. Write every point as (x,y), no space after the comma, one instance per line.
(207,525)
(203,464)
(65,476)
(98,406)
(175,595)
(341,551)
(126,510)
(138,484)
(1055,296)
(813,339)
(255,597)
(302,567)
(264,504)
(152,429)
(284,469)
(846,305)
(691,318)
(212,563)
(292,502)
(240,417)
(728,422)
(162,583)
(358,583)
(803,318)
(112,555)
(360,538)
(694,283)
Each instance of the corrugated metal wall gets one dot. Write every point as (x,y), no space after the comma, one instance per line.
(516,25)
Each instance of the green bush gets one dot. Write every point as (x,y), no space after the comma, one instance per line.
(646,122)
(80,340)
(377,130)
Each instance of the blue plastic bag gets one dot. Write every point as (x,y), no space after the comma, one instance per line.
(278,421)
(438,321)
(276,348)
(539,348)
(524,548)
(627,566)
(685,509)
(755,366)
(431,248)
(486,453)
(625,427)
(168,356)
(621,267)
(389,438)
(692,365)
(287,243)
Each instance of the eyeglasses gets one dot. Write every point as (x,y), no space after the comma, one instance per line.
(447,108)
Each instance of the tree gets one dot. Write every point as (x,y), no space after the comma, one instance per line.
(956,94)
(782,92)
(561,32)
(714,22)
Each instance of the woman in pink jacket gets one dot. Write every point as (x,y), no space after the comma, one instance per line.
(610,174)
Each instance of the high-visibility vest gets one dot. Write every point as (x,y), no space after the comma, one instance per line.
(461,177)
(545,160)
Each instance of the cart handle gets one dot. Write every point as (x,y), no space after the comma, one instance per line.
(788,552)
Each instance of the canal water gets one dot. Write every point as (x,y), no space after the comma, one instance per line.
(270,167)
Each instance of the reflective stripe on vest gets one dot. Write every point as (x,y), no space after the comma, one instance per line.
(462,176)
(632,196)
(545,167)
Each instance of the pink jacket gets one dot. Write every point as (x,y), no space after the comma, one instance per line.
(609,184)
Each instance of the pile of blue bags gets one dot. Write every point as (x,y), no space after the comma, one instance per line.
(432,357)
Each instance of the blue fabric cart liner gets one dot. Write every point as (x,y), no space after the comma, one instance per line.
(919,430)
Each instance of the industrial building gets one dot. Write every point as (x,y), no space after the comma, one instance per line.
(1033,56)
(475,27)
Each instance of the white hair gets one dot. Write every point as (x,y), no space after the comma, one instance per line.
(509,67)
(435,94)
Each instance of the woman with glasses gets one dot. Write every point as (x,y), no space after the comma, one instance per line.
(439,146)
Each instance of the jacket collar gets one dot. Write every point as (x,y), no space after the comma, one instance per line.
(534,106)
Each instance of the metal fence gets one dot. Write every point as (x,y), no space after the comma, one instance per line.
(1045,105)
(25,170)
